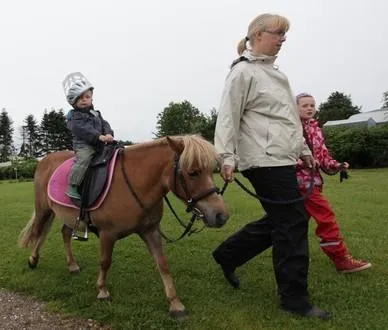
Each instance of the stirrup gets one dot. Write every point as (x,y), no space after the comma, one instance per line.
(77,237)
(83,237)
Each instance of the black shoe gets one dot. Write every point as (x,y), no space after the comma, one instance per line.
(312,312)
(231,277)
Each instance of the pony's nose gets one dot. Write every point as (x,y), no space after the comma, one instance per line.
(221,218)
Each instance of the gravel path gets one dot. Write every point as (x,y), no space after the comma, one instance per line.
(26,313)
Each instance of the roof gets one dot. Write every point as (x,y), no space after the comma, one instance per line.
(371,117)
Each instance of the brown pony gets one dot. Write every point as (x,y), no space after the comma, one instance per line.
(183,165)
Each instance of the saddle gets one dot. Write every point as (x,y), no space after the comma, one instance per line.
(93,186)
(95,180)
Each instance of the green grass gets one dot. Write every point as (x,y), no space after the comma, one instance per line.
(357,301)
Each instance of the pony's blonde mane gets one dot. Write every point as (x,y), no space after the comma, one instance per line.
(197,153)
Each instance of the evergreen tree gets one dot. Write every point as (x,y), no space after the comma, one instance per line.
(384,101)
(23,152)
(54,132)
(6,141)
(63,139)
(31,146)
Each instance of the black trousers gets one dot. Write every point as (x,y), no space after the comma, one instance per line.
(284,227)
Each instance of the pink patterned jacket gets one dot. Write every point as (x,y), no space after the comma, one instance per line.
(320,154)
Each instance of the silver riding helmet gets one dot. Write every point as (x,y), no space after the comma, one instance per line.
(74,85)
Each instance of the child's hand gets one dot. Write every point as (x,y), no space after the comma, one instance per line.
(109,138)
(106,138)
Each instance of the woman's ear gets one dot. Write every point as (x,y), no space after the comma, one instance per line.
(258,34)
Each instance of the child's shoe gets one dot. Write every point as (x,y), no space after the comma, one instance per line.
(72,192)
(350,265)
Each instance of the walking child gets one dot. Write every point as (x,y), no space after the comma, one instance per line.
(317,206)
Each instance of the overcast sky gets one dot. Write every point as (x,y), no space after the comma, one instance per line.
(141,55)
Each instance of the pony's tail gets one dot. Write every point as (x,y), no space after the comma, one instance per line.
(35,230)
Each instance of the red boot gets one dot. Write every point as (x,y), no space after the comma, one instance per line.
(350,265)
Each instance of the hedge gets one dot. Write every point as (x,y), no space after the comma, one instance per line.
(359,146)
(24,169)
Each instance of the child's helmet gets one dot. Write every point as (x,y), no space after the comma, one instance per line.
(74,85)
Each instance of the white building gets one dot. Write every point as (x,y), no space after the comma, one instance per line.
(369,119)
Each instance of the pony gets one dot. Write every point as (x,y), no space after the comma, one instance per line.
(145,173)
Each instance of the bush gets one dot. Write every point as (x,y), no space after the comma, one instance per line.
(360,146)
(25,170)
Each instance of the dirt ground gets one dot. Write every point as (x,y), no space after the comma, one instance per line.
(25,313)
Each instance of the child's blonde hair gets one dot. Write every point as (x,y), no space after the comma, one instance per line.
(301,95)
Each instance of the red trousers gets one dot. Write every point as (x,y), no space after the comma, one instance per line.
(331,241)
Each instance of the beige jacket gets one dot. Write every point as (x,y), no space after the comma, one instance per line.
(258,123)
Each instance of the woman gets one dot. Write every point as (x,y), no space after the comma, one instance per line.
(258,129)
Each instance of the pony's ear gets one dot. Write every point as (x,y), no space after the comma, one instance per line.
(175,144)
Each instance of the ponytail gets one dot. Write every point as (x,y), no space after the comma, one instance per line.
(242,46)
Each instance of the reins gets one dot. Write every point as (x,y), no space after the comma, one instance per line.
(342,171)
(191,201)
(188,228)
(279,202)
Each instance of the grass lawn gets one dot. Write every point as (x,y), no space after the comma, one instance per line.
(357,301)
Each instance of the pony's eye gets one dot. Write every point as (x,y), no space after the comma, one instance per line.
(194,173)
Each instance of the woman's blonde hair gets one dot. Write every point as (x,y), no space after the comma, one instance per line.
(260,23)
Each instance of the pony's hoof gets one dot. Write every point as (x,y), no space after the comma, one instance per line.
(104,298)
(75,271)
(31,265)
(32,262)
(179,315)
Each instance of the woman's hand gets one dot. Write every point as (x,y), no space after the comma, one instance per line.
(227,172)
(309,161)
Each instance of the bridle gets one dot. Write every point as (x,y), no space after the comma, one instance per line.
(190,200)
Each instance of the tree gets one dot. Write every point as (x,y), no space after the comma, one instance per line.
(55,134)
(64,137)
(338,106)
(209,126)
(179,118)
(125,143)
(23,152)
(31,145)
(6,141)
(384,101)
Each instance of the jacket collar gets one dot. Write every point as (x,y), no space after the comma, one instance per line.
(259,57)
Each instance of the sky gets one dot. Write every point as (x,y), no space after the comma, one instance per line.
(142,55)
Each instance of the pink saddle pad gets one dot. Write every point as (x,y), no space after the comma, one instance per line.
(58,184)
